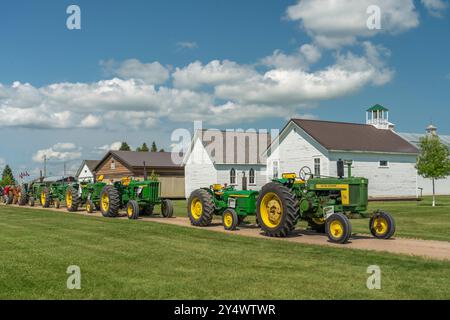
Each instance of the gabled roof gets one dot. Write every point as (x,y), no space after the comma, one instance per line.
(134,159)
(91,164)
(233,147)
(414,138)
(342,136)
(377,107)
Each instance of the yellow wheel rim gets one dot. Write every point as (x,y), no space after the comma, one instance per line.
(196,208)
(69,199)
(43,197)
(130,211)
(105,202)
(336,229)
(318,220)
(380,225)
(271,210)
(88,207)
(228,220)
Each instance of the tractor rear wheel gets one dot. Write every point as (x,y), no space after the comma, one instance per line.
(90,206)
(201,208)
(382,225)
(31,201)
(72,199)
(45,198)
(338,228)
(230,219)
(277,210)
(167,208)
(109,202)
(133,210)
(22,197)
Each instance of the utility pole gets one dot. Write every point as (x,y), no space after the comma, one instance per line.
(64,169)
(45,165)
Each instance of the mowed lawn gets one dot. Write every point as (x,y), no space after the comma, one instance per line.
(414,219)
(121,259)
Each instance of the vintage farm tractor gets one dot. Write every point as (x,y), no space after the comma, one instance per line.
(233,205)
(55,193)
(89,196)
(324,202)
(137,197)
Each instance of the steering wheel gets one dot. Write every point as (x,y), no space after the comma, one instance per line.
(305,173)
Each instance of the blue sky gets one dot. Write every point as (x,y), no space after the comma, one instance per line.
(273,60)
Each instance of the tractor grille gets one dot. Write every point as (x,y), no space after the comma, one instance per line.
(153,191)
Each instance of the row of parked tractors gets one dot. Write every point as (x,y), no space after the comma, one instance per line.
(136,197)
(325,203)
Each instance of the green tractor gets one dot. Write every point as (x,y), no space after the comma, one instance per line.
(28,193)
(324,202)
(137,197)
(54,192)
(89,196)
(233,205)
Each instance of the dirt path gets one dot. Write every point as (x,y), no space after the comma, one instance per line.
(439,250)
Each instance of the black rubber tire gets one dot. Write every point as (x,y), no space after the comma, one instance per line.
(132,210)
(114,202)
(31,201)
(290,210)
(391,225)
(234,219)
(90,206)
(167,208)
(48,199)
(347,228)
(75,199)
(23,198)
(207,202)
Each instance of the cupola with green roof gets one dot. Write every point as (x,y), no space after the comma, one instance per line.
(378,116)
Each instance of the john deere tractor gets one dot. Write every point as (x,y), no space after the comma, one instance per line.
(137,197)
(233,205)
(89,196)
(55,193)
(324,202)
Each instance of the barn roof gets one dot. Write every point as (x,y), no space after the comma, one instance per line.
(91,164)
(134,159)
(342,136)
(234,147)
(414,138)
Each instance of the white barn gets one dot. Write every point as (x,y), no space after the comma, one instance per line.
(377,152)
(227,158)
(85,172)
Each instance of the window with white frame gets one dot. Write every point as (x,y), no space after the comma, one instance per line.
(232,176)
(251,178)
(275,169)
(317,167)
(384,164)
(113,164)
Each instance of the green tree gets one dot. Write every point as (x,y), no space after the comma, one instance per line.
(162,150)
(143,148)
(125,147)
(8,176)
(433,162)
(154,147)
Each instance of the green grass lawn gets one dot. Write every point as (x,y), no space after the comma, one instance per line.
(414,219)
(123,259)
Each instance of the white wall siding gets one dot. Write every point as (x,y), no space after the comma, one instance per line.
(199,170)
(398,180)
(442,186)
(223,175)
(295,151)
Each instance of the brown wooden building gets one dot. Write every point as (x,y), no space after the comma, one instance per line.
(116,165)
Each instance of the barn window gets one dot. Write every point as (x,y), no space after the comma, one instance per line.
(113,165)
(384,164)
(251,179)
(275,169)
(232,176)
(317,167)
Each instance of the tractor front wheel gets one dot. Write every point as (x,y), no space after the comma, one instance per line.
(31,201)
(230,219)
(382,225)
(338,228)
(90,206)
(277,210)
(109,202)
(201,208)
(133,210)
(72,200)
(167,208)
(22,198)
(45,198)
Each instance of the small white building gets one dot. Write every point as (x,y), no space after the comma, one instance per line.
(425,185)
(378,153)
(226,157)
(86,171)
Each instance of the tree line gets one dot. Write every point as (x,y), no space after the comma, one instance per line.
(144,148)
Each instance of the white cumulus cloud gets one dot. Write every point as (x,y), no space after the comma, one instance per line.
(436,7)
(151,73)
(60,152)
